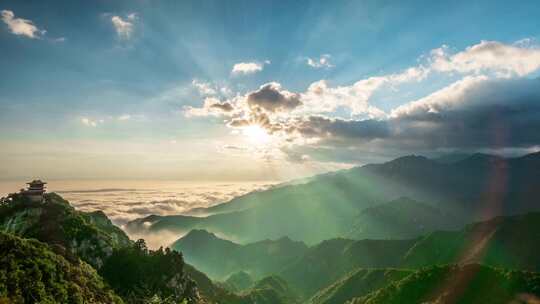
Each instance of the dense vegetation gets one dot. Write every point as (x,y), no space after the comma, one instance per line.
(357,283)
(31,273)
(86,235)
(510,242)
(139,274)
(219,258)
(472,283)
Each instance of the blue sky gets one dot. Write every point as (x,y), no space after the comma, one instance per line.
(104,88)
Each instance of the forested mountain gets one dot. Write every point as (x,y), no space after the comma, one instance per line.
(341,267)
(471,283)
(30,272)
(90,236)
(509,242)
(219,258)
(120,270)
(402,218)
(358,283)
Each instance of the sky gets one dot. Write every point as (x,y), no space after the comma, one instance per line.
(260,90)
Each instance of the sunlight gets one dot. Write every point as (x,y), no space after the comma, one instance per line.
(256,134)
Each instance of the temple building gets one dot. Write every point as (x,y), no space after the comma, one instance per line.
(35,190)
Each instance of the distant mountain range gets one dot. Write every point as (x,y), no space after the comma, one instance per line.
(403,198)
(508,242)
(413,230)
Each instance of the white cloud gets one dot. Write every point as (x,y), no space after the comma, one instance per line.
(124,27)
(504,60)
(247,68)
(19,26)
(443,99)
(90,122)
(124,117)
(204,88)
(345,115)
(322,62)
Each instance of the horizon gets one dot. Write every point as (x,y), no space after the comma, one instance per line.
(221,91)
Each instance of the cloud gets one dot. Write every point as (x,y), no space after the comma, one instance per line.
(271,97)
(124,117)
(505,60)
(322,62)
(475,113)
(124,27)
(22,27)
(491,105)
(245,68)
(90,122)
(211,107)
(337,129)
(204,88)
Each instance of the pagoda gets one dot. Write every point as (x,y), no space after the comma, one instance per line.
(35,190)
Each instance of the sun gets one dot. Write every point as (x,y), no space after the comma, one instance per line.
(256,134)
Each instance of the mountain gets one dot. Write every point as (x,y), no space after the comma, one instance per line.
(220,258)
(90,236)
(269,290)
(476,188)
(30,272)
(402,218)
(509,242)
(330,260)
(357,283)
(135,273)
(138,274)
(238,281)
(472,283)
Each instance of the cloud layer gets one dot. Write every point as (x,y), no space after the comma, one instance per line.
(491,105)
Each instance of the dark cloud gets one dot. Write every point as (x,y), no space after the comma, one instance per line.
(488,115)
(485,115)
(272,98)
(224,106)
(324,127)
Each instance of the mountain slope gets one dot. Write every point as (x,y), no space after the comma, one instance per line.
(459,284)
(402,218)
(330,260)
(219,258)
(358,283)
(488,186)
(509,242)
(31,273)
(90,236)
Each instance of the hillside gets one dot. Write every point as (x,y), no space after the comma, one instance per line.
(402,218)
(90,236)
(31,273)
(330,260)
(510,242)
(459,284)
(488,186)
(220,258)
(357,283)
